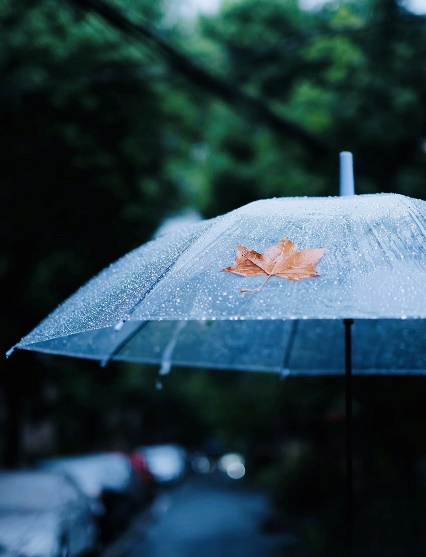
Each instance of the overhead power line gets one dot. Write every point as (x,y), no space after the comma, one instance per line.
(205,79)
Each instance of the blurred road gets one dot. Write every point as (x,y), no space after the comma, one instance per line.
(210,516)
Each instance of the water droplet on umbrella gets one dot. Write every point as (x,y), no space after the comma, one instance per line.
(165,367)
(285,372)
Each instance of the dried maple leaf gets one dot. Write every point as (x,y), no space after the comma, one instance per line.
(282,260)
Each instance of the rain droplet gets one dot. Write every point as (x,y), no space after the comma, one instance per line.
(285,372)
(119,325)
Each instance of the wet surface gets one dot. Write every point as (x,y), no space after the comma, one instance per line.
(207,516)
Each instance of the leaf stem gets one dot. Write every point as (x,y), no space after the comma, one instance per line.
(258,288)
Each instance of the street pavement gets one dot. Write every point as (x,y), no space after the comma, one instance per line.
(206,516)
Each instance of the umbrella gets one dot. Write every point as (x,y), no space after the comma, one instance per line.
(163,302)
(170,301)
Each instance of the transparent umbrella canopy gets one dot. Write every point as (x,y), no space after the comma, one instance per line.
(169,301)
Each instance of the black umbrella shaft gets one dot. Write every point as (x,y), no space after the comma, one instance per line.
(349,455)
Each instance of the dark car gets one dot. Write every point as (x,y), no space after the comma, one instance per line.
(144,476)
(109,481)
(44,514)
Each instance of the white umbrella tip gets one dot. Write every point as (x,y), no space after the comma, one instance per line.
(347,186)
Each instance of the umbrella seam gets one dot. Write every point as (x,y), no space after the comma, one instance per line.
(158,279)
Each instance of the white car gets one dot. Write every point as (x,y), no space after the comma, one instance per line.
(43,514)
(108,481)
(168,463)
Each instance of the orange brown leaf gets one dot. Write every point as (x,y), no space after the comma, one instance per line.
(282,260)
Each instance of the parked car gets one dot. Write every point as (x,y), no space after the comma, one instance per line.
(44,514)
(110,482)
(168,462)
(143,474)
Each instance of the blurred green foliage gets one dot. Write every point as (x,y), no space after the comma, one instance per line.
(103,136)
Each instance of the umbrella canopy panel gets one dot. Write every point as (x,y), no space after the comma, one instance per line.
(374,264)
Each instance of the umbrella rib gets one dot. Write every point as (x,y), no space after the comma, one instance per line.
(285,369)
(147,291)
(166,361)
(123,343)
(120,324)
(150,288)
